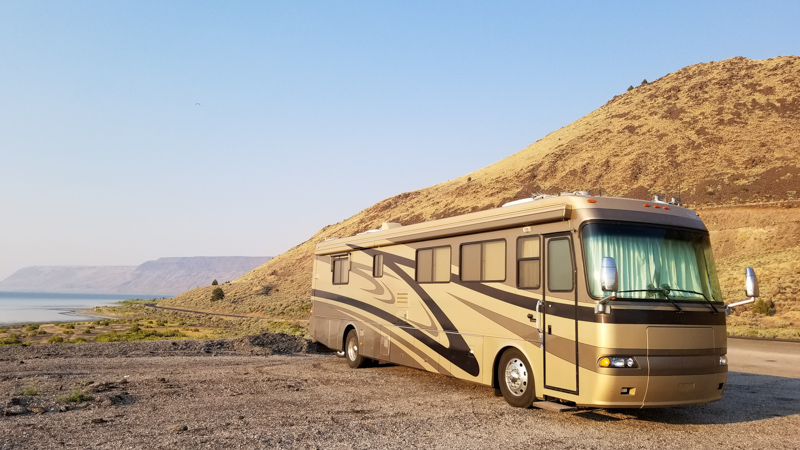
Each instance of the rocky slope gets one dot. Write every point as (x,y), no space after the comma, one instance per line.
(720,135)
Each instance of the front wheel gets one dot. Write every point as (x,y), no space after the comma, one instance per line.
(351,353)
(515,377)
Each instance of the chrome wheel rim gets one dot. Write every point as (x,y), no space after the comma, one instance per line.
(516,377)
(352,350)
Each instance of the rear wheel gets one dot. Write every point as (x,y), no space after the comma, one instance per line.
(515,378)
(351,351)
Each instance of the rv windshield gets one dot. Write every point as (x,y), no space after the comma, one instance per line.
(652,263)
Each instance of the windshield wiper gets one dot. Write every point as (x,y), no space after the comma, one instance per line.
(702,295)
(662,290)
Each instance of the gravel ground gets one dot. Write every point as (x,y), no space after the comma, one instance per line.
(276,391)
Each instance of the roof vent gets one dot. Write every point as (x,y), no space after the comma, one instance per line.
(659,199)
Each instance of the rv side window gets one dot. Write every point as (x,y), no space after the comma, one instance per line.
(340,266)
(483,261)
(377,266)
(528,262)
(433,265)
(559,265)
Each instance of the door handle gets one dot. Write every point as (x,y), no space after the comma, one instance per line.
(539,315)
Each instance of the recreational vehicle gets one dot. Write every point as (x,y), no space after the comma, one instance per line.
(570,300)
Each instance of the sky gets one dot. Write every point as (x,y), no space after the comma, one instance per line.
(134,130)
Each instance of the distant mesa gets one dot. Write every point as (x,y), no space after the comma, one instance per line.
(164,276)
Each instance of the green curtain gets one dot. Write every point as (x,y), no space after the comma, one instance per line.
(647,258)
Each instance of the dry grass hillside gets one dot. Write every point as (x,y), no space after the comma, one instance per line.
(720,135)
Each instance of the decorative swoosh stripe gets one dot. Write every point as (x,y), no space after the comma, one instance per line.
(457,353)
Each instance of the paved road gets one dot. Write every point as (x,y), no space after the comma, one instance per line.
(764,357)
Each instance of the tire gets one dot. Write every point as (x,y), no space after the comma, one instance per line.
(351,351)
(515,377)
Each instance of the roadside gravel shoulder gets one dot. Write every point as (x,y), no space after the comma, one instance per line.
(277,391)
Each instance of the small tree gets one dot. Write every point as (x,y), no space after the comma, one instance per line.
(630,88)
(214,283)
(217,294)
(644,82)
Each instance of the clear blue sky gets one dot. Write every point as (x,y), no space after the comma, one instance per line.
(308,111)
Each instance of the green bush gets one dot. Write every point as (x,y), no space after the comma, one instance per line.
(32,327)
(11,341)
(30,391)
(763,307)
(217,294)
(76,396)
(56,340)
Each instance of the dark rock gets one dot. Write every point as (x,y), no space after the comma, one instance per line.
(15,410)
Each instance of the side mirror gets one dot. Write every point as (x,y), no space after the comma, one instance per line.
(751,290)
(750,283)
(608,275)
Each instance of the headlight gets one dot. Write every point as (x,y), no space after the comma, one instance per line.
(618,362)
(723,360)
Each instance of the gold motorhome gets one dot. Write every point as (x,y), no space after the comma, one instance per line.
(570,299)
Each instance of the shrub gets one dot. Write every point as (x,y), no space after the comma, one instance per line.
(215,282)
(10,341)
(630,88)
(30,391)
(76,396)
(763,307)
(56,340)
(134,328)
(32,327)
(217,294)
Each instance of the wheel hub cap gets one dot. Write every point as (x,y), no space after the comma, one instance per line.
(516,377)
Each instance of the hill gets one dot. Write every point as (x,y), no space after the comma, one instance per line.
(164,276)
(720,135)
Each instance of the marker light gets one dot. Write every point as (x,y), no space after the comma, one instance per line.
(723,360)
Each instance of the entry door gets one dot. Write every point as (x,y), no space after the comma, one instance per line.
(560,315)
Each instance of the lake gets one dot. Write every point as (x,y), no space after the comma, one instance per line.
(35,307)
